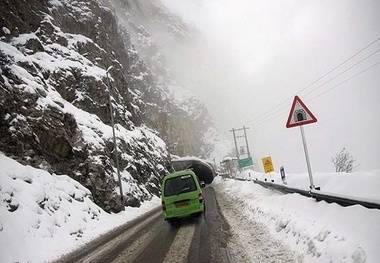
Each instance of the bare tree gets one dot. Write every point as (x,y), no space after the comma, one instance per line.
(343,161)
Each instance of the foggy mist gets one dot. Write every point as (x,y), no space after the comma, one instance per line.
(249,58)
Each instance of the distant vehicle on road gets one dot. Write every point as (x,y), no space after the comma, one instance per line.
(181,195)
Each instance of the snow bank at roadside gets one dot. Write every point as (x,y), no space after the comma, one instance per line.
(321,232)
(361,185)
(45,215)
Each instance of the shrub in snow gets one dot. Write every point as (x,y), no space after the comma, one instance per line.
(343,161)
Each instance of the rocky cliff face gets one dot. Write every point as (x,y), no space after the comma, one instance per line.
(60,63)
(179,116)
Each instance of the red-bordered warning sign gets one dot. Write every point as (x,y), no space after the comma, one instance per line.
(299,114)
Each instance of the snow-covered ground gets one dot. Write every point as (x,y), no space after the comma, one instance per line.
(318,231)
(44,215)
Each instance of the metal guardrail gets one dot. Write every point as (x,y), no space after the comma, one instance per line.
(318,195)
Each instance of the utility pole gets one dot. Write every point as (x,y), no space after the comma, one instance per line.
(246,140)
(236,147)
(241,136)
(114,139)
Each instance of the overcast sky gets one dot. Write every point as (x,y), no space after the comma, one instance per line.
(252,57)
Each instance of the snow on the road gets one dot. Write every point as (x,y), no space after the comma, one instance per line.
(44,215)
(318,231)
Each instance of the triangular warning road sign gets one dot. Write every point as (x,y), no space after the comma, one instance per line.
(299,114)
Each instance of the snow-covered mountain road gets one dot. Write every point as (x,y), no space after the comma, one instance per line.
(44,216)
(210,238)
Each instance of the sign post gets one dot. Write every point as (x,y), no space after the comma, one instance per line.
(312,186)
(300,115)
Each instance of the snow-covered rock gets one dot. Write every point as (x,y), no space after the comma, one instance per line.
(60,71)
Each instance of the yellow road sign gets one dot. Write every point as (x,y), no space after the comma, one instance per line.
(268,165)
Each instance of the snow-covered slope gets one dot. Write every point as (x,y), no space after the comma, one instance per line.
(49,211)
(153,30)
(61,61)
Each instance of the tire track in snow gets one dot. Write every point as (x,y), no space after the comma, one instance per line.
(179,249)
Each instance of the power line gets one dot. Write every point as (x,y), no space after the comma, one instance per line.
(357,63)
(259,122)
(263,116)
(361,72)
(341,64)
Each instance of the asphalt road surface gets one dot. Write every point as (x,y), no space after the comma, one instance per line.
(153,240)
(211,238)
(193,240)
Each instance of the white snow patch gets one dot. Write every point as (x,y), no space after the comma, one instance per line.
(55,212)
(318,231)
(6,30)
